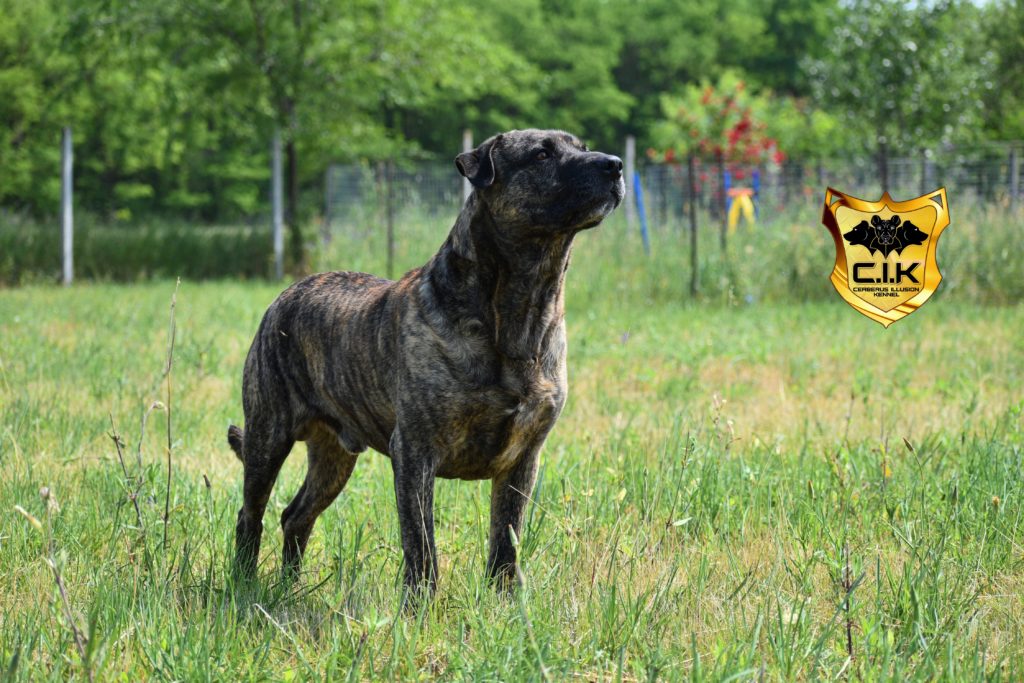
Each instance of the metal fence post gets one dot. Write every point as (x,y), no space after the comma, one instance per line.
(630,170)
(691,173)
(643,213)
(67,179)
(278,208)
(467,146)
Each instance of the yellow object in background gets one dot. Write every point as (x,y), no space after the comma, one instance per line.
(741,202)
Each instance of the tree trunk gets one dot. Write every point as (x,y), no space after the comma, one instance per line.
(883,165)
(389,215)
(298,249)
(291,205)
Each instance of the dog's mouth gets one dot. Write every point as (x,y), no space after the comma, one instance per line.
(615,194)
(618,192)
(603,203)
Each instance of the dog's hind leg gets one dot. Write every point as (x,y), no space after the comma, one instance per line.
(263,452)
(330,466)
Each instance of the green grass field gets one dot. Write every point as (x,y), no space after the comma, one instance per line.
(738,489)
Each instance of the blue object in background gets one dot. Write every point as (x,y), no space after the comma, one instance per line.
(726,185)
(638,191)
(755,181)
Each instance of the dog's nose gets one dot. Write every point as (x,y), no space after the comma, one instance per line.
(611,165)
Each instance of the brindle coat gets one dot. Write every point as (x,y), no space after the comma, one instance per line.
(457,370)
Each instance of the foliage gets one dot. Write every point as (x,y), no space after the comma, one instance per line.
(806,132)
(155,248)
(905,75)
(173,104)
(1003,58)
(668,44)
(721,121)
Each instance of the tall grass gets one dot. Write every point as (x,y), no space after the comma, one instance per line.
(787,257)
(757,483)
(728,495)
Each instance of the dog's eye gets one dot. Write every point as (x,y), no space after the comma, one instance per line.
(542,155)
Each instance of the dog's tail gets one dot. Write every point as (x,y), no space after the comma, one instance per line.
(235,436)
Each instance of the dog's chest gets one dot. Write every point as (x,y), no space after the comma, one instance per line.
(497,425)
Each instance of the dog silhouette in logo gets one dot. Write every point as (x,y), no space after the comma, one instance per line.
(885,236)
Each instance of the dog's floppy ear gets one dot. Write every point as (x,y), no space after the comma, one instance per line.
(477,166)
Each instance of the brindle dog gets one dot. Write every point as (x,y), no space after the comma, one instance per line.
(457,370)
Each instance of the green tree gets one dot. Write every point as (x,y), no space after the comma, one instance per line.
(902,76)
(668,44)
(794,32)
(1003,54)
(37,77)
(339,80)
(565,75)
(722,121)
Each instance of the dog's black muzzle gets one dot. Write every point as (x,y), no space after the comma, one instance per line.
(610,166)
(605,168)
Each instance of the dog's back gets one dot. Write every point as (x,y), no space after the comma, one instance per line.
(292,364)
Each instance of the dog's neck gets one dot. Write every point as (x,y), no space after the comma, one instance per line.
(515,287)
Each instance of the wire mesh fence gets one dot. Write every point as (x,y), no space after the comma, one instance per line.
(386,215)
(359,197)
(364,198)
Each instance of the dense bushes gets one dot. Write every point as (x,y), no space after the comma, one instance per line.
(31,251)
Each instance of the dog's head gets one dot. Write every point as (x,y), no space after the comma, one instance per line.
(885,230)
(543,181)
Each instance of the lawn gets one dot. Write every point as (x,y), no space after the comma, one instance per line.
(736,488)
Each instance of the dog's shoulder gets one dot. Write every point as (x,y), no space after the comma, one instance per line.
(335,282)
(337,291)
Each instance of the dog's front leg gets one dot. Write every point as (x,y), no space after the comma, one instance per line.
(509,495)
(414,466)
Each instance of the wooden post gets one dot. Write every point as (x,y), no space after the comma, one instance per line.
(1014,178)
(389,215)
(467,146)
(277,204)
(325,229)
(694,262)
(67,178)
(883,165)
(630,193)
(924,171)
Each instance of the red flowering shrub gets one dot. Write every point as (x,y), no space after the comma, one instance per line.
(717,121)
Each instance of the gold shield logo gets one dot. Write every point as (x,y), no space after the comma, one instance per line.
(885,251)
